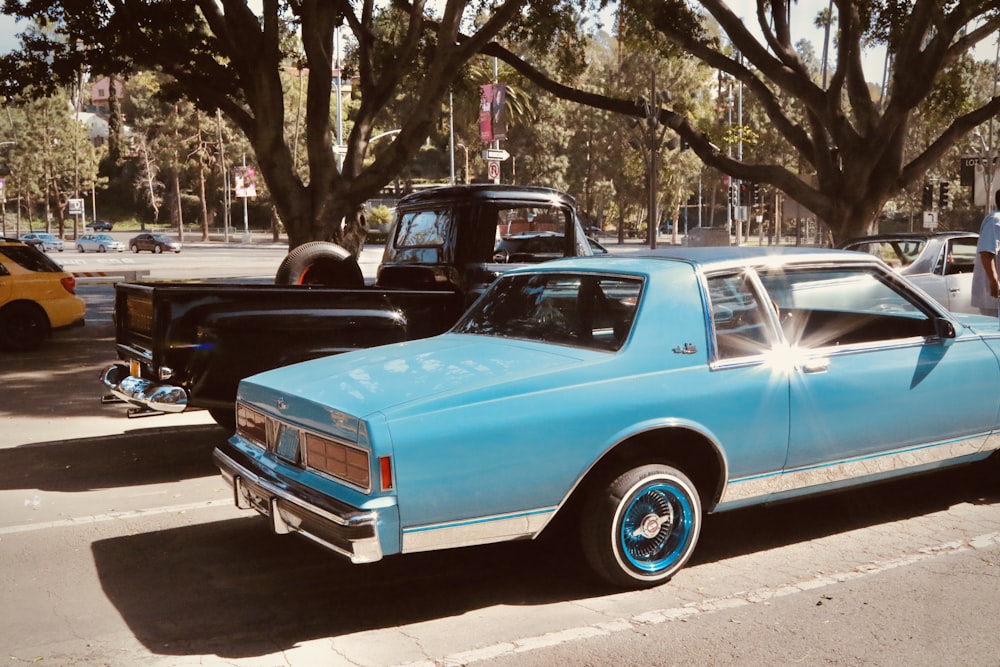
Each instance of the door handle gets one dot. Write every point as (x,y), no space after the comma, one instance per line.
(816,365)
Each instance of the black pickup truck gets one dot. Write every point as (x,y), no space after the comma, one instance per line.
(187,345)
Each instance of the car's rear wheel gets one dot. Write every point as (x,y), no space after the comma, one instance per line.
(135,248)
(23,327)
(79,248)
(640,528)
(320,263)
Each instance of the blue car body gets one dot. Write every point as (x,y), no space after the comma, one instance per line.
(721,378)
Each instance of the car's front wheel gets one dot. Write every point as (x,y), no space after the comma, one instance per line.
(102,249)
(640,528)
(157,249)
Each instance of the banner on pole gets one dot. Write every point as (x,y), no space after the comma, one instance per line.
(493,112)
(246,185)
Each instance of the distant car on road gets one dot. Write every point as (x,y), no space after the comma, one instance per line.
(43,241)
(99,243)
(101,226)
(620,399)
(36,296)
(939,263)
(155,243)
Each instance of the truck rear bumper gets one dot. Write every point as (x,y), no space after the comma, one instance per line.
(154,396)
(345,530)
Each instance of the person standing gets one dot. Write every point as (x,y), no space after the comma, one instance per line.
(985,276)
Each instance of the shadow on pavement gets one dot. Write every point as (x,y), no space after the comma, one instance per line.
(233,589)
(148,456)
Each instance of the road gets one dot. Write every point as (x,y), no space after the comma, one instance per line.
(119,545)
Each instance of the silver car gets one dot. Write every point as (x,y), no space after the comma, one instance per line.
(99,243)
(939,263)
(43,241)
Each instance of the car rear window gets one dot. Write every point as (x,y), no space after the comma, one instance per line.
(583,310)
(30,259)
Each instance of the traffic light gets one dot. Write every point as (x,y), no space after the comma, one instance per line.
(756,194)
(928,199)
(742,199)
(943,195)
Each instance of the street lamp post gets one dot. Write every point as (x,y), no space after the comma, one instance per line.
(650,137)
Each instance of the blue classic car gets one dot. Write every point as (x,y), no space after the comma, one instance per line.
(628,396)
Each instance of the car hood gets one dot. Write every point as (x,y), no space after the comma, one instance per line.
(381,379)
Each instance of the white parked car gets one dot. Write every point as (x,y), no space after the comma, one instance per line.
(940,263)
(43,241)
(99,243)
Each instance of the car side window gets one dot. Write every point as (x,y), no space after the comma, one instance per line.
(822,307)
(961,256)
(739,320)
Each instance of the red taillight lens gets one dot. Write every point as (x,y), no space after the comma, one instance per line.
(385,471)
(69,284)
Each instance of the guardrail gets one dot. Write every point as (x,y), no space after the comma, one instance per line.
(109,277)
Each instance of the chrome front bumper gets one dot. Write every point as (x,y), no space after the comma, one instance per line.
(345,530)
(142,392)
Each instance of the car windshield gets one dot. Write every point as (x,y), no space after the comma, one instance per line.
(583,310)
(30,258)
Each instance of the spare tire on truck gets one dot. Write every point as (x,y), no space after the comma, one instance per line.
(320,263)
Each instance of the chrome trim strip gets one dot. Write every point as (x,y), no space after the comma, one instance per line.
(478,530)
(759,486)
(246,484)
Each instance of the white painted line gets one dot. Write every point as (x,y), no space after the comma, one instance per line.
(114,516)
(709,605)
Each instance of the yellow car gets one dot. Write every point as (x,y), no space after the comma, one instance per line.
(36,296)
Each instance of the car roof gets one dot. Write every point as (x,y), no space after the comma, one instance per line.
(707,259)
(520,194)
(906,236)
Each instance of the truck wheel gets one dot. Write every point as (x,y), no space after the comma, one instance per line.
(224,417)
(23,327)
(320,263)
(641,528)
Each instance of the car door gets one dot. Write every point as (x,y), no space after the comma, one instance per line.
(876,389)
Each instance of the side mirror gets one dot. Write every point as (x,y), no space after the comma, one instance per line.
(944,328)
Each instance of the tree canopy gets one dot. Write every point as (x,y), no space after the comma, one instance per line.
(851,142)
(222,55)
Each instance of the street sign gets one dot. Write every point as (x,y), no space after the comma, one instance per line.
(497,154)
(930,220)
(493,171)
(75,206)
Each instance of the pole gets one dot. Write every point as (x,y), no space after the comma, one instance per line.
(451,134)
(246,216)
(651,122)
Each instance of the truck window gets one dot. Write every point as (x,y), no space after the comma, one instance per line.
(421,236)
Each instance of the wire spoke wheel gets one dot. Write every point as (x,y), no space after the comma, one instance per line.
(643,527)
